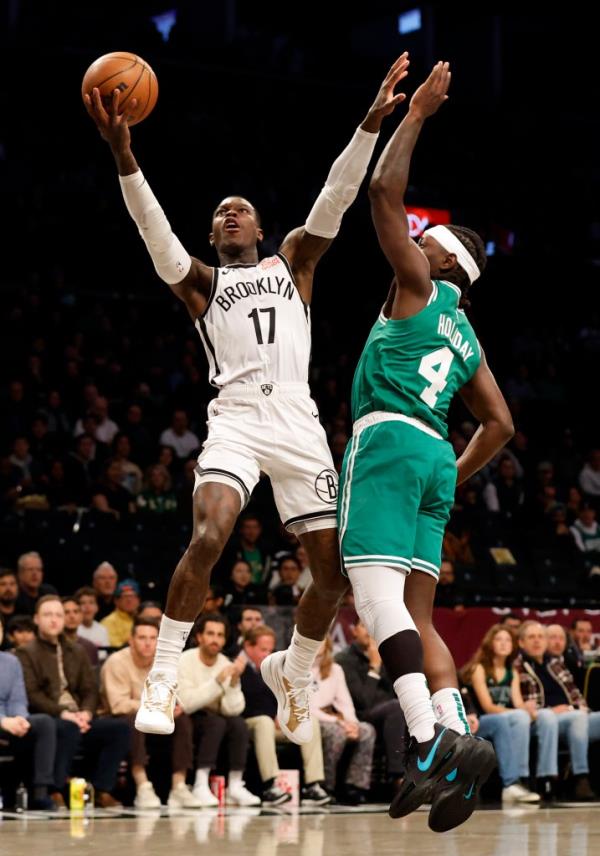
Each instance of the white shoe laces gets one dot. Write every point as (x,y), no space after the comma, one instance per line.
(298,697)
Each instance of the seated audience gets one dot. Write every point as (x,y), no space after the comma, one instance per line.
(122,680)
(60,682)
(373,696)
(73,620)
(105,581)
(30,576)
(558,709)
(287,592)
(241,589)
(24,733)
(120,621)
(495,690)
(89,628)
(150,609)
(247,617)
(19,631)
(157,496)
(209,689)
(332,705)
(9,591)
(260,713)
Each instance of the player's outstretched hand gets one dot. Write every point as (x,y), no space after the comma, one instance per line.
(112,125)
(431,95)
(385,100)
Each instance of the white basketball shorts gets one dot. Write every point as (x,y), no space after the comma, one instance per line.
(275,429)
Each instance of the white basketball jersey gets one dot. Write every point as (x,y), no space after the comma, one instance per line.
(256,327)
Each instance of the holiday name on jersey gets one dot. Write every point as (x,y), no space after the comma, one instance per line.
(448,328)
(279,285)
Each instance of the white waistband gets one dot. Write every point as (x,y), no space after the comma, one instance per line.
(269,389)
(380,416)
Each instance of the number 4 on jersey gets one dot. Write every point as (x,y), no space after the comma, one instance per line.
(434,367)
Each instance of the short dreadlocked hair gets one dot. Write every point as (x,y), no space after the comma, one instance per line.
(476,248)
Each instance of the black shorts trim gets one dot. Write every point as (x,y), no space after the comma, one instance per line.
(313,516)
(203,472)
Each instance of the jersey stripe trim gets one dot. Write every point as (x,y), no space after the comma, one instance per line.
(378,556)
(210,347)
(434,293)
(347,490)
(312,516)
(369,563)
(204,472)
(454,287)
(213,291)
(289,270)
(427,564)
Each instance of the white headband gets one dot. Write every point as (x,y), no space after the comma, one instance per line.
(452,244)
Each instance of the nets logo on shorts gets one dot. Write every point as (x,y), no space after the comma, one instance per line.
(326,485)
(267,388)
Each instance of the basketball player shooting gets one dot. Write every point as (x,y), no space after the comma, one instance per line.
(254,321)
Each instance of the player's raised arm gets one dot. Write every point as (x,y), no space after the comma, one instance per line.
(187,277)
(485,401)
(305,245)
(390,179)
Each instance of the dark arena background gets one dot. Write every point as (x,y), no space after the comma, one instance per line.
(257,100)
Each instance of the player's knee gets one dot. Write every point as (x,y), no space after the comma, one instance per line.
(206,546)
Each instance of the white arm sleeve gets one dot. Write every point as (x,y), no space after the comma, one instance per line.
(341,187)
(171,260)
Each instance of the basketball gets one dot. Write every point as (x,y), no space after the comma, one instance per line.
(128,73)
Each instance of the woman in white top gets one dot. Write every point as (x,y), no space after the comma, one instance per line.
(332,705)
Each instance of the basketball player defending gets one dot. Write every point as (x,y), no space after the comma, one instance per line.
(254,321)
(420,352)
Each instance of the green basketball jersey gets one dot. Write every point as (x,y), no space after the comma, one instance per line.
(415,365)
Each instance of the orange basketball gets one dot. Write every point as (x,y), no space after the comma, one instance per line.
(129,73)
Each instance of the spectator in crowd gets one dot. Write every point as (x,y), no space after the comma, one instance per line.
(150,609)
(373,696)
(558,709)
(81,469)
(209,689)
(131,474)
(247,617)
(60,682)
(215,599)
(260,713)
(20,629)
(30,576)
(56,416)
(73,621)
(89,628)
(136,429)
(240,588)
(586,533)
(512,621)
(26,733)
(251,549)
(448,593)
(179,436)
(579,650)
(9,592)
(332,705)
(559,648)
(122,680)
(120,621)
(504,494)
(287,592)
(119,500)
(105,427)
(28,471)
(157,497)
(589,477)
(104,581)
(496,692)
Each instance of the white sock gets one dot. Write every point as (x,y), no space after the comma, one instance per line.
(202,777)
(415,702)
(300,656)
(172,637)
(449,710)
(235,779)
